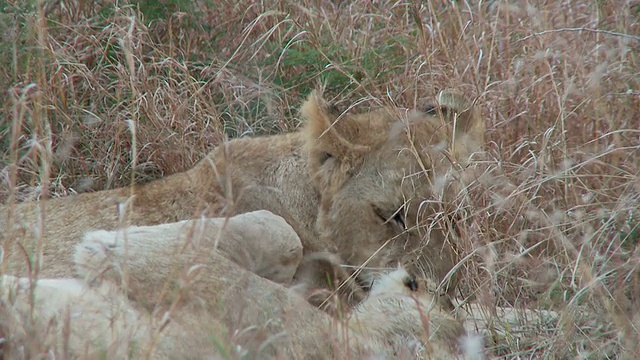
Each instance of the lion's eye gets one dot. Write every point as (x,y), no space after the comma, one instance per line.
(411,283)
(323,157)
(430,109)
(397,217)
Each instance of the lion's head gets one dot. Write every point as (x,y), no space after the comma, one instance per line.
(384,178)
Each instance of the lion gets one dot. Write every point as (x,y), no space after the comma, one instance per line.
(259,241)
(365,186)
(227,310)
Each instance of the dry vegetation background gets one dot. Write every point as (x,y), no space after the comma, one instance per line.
(95,92)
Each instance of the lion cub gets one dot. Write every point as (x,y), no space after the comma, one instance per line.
(399,320)
(404,315)
(366,185)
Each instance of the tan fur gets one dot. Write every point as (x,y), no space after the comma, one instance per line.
(394,317)
(336,182)
(222,301)
(259,241)
(389,164)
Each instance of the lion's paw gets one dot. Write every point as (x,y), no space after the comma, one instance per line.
(98,257)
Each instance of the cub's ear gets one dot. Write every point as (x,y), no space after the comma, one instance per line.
(468,129)
(326,133)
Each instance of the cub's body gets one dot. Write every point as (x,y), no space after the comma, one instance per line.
(370,187)
(240,176)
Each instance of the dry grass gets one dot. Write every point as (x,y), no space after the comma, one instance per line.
(554,223)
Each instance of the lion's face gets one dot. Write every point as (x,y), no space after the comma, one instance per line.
(384,177)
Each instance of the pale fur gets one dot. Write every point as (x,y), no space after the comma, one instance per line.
(101,322)
(336,181)
(395,318)
(391,319)
(259,241)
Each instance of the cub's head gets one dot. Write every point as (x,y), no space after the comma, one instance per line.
(402,311)
(384,178)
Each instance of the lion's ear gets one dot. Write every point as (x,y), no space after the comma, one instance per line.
(327,134)
(469,129)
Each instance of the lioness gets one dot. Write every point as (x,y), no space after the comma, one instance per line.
(211,294)
(362,186)
(213,303)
